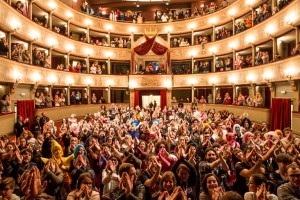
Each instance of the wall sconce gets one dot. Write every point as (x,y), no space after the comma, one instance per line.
(192,81)
(52,42)
(108,27)
(69,15)
(110,82)
(232,79)
(213,50)
(212,21)
(69,48)
(192,53)
(89,82)
(192,26)
(167,84)
(70,81)
(88,22)
(168,29)
(213,81)
(232,45)
(251,78)
(88,52)
(52,79)
(249,39)
(52,5)
(17,76)
(290,19)
(132,84)
(15,24)
(232,12)
(132,29)
(108,54)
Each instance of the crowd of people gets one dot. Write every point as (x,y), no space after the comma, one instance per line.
(142,153)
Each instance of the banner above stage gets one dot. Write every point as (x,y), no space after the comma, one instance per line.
(148,45)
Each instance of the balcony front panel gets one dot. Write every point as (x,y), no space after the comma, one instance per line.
(29,31)
(9,70)
(254,35)
(276,71)
(220,17)
(150,81)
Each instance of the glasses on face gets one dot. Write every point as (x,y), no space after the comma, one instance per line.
(294,176)
(87,183)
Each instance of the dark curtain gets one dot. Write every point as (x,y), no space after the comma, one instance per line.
(280,114)
(168,62)
(57,61)
(136,98)
(245,91)
(163,98)
(26,109)
(267,97)
(145,47)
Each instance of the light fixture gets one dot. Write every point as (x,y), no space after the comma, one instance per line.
(291,18)
(192,26)
(88,52)
(132,29)
(192,53)
(192,81)
(232,45)
(213,80)
(69,81)
(249,39)
(167,84)
(108,54)
(233,79)
(52,5)
(251,78)
(52,79)
(15,24)
(18,76)
(69,48)
(36,77)
(212,21)
(232,12)
(88,22)
(132,84)
(168,29)
(110,82)
(89,81)
(108,27)
(288,72)
(52,42)
(69,15)
(35,36)
(267,76)
(213,50)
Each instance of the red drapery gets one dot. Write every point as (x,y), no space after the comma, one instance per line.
(145,47)
(280,114)
(150,44)
(136,98)
(26,109)
(163,98)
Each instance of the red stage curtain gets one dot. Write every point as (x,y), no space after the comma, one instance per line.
(163,98)
(136,98)
(26,109)
(145,47)
(280,114)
